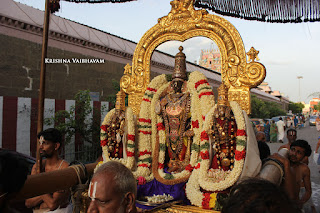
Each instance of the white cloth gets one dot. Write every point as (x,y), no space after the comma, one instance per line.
(252,164)
(280,126)
(68,209)
(307,205)
(318,125)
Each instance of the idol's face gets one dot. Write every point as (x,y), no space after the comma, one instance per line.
(296,154)
(105,198)
(177,85)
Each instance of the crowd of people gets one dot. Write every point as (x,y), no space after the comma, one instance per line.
(113,187)
(297,182)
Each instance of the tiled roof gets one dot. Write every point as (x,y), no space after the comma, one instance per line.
(30,15)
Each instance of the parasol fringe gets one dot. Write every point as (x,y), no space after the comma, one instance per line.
(280,11)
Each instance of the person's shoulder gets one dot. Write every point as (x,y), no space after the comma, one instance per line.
(283,146)
(64,164)
(304,168)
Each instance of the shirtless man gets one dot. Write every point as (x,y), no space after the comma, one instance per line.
(292,137)
(299,170)
(298,150)
(50,142)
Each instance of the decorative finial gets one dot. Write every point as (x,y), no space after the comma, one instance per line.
(253,54)
(120,101)
(223,95)
(180,65)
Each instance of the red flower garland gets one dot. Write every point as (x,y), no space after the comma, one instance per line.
(147,100)
(145,132)
(239,155)
(143,165)
(197,166)
(241,132)
(205,93)
(131,137)
(204,136)
(103,143)
(160,165)
(160,126)
(203,81)
(204,155)
(144,153)
(144,120)
(104,127)
(151,89)
(130,154)
(189,168)
(195,124)
(206,200)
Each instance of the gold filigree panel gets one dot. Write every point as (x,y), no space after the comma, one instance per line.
(182,23)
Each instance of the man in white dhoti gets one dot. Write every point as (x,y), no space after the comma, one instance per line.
(281,129)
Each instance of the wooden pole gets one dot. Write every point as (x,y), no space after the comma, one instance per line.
(42,80)
(49,182)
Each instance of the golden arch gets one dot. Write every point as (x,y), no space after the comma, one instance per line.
(184,22)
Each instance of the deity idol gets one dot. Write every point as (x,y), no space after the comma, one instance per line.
(174,108)
(118,134)
(222,150)
(223,133)
(177,111)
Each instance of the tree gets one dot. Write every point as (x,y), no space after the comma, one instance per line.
(264,109)
(296,107)
(317,107)
(78,121)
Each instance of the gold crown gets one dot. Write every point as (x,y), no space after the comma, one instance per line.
(120,101)
(180,65)
(223,95)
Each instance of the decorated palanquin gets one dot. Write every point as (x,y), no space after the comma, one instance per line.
(177,141)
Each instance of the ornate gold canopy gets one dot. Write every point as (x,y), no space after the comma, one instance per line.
(182,23)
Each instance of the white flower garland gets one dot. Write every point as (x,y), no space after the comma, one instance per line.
(144,130)
(129,144)
(200,177)
(202,100)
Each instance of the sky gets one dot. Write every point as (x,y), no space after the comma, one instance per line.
(286,50)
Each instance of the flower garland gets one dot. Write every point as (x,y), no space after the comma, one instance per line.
(201,178)
(144,130)
(129,139)
(202,99)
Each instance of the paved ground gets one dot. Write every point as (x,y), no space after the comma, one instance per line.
(310,134)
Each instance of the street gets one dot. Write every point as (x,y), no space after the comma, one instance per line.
(310,134)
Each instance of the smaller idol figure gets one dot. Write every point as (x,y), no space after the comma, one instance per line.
(117,131)
(223,133)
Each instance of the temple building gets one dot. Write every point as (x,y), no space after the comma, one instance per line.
(79,57)
(210,59)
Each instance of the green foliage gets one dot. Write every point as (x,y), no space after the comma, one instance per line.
(77,121)
(113,98)
(264,109)
(296,107)
(317,107)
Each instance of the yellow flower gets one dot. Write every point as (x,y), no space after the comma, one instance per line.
(213,199)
